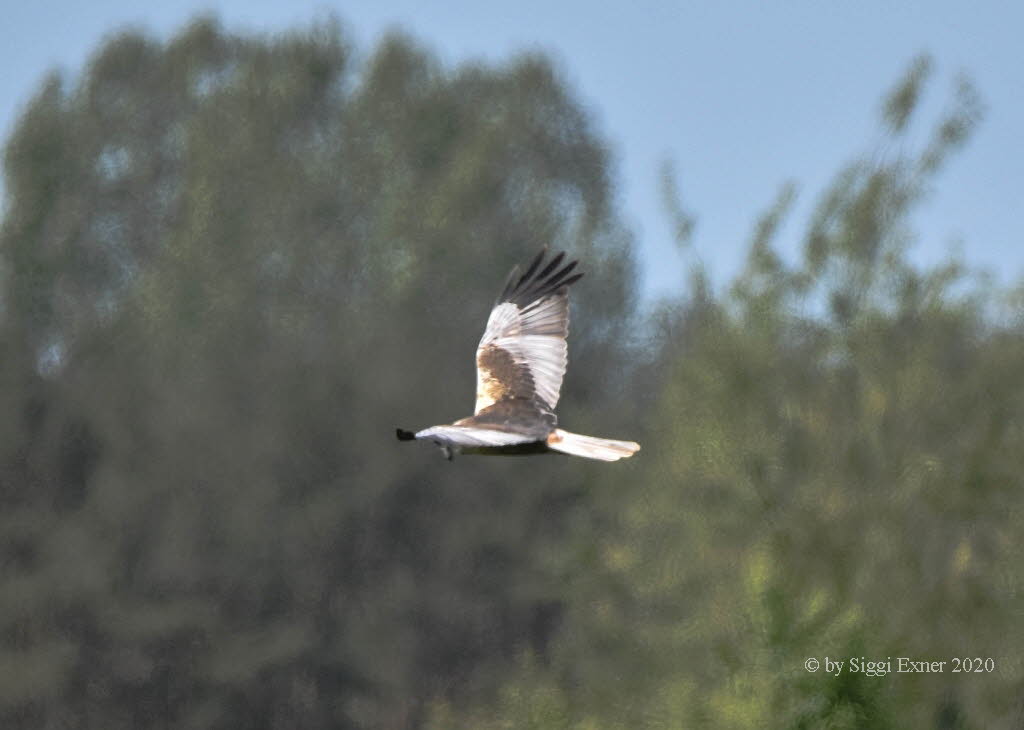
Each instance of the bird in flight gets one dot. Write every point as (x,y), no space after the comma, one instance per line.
(520,362)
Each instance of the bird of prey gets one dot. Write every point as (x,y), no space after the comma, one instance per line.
(520,362)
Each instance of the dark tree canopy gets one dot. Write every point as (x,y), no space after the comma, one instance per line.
(231,265)
(832,468)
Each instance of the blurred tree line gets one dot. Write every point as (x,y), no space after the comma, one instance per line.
(231,265)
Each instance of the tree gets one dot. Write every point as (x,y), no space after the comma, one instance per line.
(232,265)
(833,468)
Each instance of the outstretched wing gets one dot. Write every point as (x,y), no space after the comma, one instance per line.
(470,436)
(523,352)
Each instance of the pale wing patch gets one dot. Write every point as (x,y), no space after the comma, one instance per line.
(534,339)
(545,356)
(471,436)
(503,322)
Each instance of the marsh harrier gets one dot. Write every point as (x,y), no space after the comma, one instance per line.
(520,362)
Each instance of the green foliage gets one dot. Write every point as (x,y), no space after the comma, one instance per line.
(831,468)
(232,265)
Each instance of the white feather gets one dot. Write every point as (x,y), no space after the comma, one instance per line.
(534,337)
(591,447)
(472,436)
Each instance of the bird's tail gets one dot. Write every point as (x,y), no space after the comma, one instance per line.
(591,447)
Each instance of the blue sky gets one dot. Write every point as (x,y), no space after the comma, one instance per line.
(742,96)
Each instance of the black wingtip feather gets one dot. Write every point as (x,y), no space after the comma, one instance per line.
(507,290)
(532,267)
(573,279)
(404,435)
(560,275)
(534,285)
(551,266)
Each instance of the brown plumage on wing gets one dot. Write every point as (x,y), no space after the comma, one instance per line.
(520,363)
